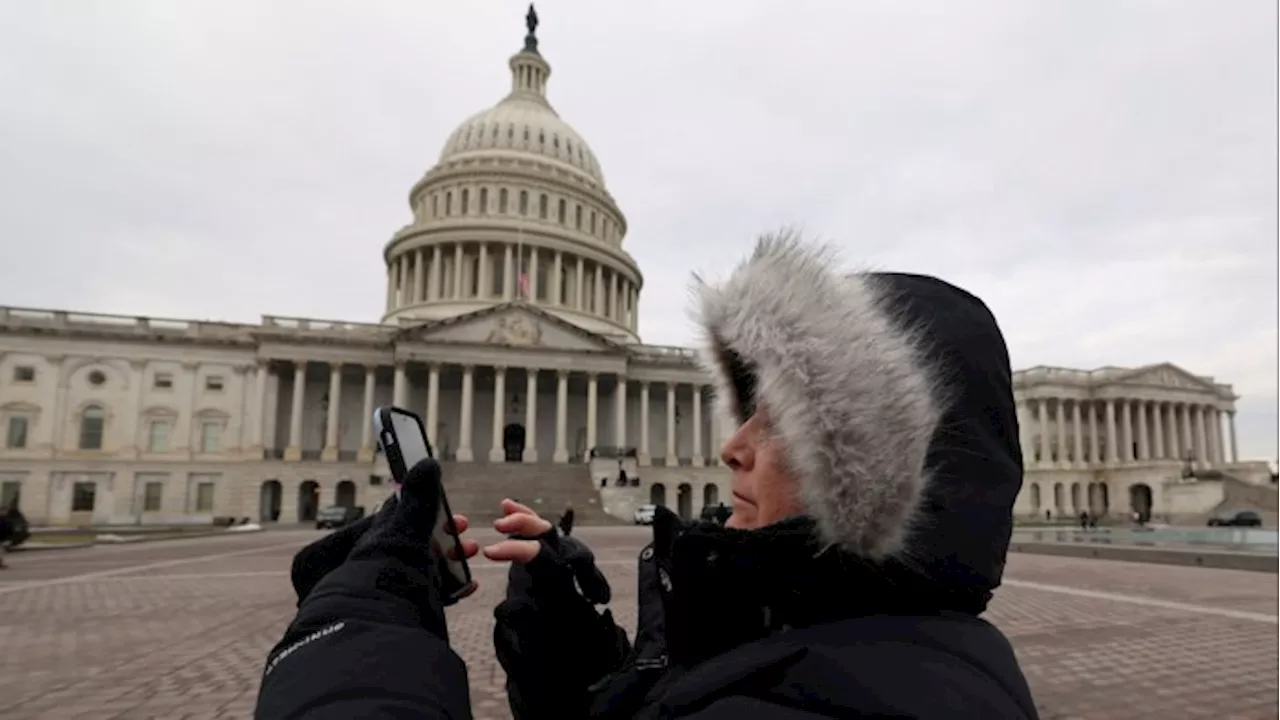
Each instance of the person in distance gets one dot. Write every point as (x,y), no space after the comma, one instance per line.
(874,470)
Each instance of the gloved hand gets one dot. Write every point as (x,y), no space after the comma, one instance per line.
(323,556)
(549,637)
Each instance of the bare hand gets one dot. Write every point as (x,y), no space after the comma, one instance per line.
(521,521)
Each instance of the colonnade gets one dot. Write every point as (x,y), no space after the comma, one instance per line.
(465,451)
(1064,432)
(470,271)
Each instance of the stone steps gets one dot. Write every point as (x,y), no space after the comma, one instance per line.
(477,489)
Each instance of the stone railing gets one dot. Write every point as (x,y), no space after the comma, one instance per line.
(18,318)
(664,353)
(312,326)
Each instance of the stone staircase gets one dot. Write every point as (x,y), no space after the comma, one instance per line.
(477,489)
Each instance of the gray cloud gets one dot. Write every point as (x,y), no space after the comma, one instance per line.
(1102,173)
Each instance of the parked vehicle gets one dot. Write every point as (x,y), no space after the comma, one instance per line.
(644,514)
(1243,518)
(337,516)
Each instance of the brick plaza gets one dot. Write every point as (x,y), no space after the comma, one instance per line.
(180,629)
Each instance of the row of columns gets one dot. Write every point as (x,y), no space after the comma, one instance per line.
(465,452)
(419,275)
(1144,430)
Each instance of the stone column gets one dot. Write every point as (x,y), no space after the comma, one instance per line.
(1060,419)
(635,309)
(458,258)
(1158,429)
(402,280)
(642,457)
(399,386)
(620,412)
(673,458)
(1042,427)
(419,292)
(508,274)
(391,288)
(433,405)
(1144,447)
(531,415)
(1231,428)
(717,434)
(366,415)
(258,409)
(496,452)
(578,278)
(1095,444)
(1077,436)
(1184,433)
(1202,450)
(294,451)
(699,459)
(557,282)
(614,312)
(1214,435)
(592,397)
(330,450)
(598,294)
(1126,431)
(1022,411)
(484,281)
(434,291)
(1109,415)
(561,453)
(464,453)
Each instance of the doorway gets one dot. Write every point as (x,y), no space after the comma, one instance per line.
(308,500)
(513,442)
(269,501)
(346,494)
(658,495)
(684,501)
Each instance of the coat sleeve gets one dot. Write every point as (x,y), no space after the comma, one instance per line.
(368,642)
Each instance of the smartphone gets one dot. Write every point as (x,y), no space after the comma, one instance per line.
(403,440)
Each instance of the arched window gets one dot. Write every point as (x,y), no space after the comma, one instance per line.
(435,205)
(502,201)
(524,202)
(466,201)
(542,206)
(448,203)
(593,222)
(577,217)
(561,212)
(92,424)
(484,200)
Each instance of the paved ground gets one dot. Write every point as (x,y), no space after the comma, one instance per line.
(179,629)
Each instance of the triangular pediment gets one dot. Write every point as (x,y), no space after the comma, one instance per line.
(1165,375)
(513,325)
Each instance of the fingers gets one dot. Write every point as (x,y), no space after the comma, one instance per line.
(523,524)
(461,523)
(469,549)
(517,551)
(510,507)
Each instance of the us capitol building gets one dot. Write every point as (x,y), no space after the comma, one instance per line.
(511,327)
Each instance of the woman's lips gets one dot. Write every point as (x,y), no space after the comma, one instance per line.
(740,499)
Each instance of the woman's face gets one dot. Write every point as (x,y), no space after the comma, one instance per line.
(764,490)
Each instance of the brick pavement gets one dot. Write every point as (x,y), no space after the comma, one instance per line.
(180,630)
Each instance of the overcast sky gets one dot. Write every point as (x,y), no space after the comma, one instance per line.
(1102,173)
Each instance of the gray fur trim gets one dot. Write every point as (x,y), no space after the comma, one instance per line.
(846,386)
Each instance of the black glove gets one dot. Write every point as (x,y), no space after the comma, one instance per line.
(549,637)
(323,556)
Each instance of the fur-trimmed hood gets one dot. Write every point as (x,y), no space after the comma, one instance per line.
(893,397)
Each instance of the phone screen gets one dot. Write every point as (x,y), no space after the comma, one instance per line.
(409,436)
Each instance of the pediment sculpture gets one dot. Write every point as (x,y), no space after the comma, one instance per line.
(515,330)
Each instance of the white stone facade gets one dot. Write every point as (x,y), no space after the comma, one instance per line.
(1115,441)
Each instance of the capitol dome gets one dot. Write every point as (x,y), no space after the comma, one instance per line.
(515,210)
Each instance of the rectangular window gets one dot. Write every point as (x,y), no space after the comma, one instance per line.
(24,374)
(210,436)
(151,496)
(158,436)
(524,202)
(561,212)
(82,496)
(448,203)
(502,201)
(542,207)
(593,222)
(163,381)
(17,435)
(9,491)
(204,497)
(213,383)
(435,205)
(484,200)
(577,217)
(466,201)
